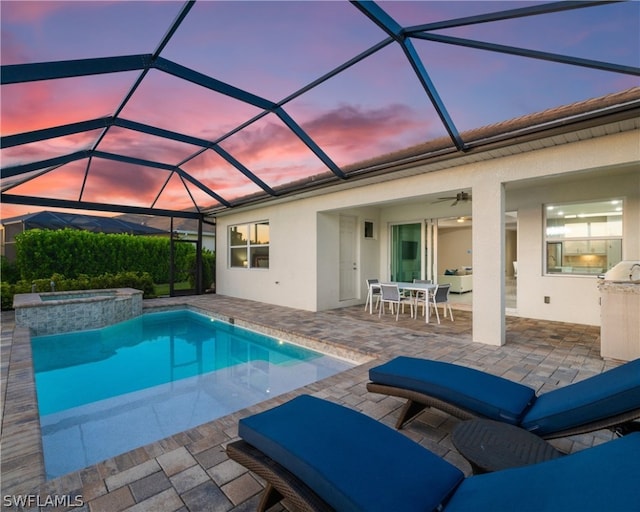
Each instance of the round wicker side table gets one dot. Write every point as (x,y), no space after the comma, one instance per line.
(491,446)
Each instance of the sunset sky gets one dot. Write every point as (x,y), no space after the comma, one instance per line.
(273,49)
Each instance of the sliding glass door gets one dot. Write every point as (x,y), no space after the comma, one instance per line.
(406,252)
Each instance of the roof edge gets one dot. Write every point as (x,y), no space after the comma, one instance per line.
(554,121)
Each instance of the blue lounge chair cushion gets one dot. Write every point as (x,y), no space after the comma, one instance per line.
(482,393)
(350,460)
(605,477)
(610,393)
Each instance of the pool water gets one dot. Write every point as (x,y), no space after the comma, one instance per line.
(70,296)
(107,391)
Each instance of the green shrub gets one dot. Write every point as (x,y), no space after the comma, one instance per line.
(81,260)
(41,253)
(208,268)
(9,272)
(138,280)
(6,295)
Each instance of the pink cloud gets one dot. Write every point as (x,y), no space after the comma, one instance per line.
(350,126)
(169,102)
(140,145)
(214,172)
(175,196)
(347,134)
(352,133)
(37,105)
(373,108)
(13,51)
(30,12)
(45,149)
(62,183)
(123,183)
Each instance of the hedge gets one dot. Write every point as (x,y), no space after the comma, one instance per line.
(208,265)
(72,253)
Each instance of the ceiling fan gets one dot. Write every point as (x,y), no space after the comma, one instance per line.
(460,197)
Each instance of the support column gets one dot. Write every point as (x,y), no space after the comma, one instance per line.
(488,261)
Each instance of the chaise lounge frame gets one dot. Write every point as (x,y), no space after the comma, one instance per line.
(301,458)
(417,402)
(281,483)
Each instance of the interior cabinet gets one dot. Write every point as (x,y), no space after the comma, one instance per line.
(585,247)
(583,256)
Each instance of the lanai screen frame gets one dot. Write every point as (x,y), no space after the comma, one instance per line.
(394,33)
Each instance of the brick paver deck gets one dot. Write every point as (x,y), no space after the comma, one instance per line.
(191,472)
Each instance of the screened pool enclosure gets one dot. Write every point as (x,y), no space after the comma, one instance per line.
(187,109)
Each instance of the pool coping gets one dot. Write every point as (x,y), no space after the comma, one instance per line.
(323,346)
(23,469)
(22,454)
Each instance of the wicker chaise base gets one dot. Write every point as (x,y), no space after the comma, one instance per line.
(281,483)
(417,402)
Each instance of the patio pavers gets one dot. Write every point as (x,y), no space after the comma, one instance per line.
(191,472)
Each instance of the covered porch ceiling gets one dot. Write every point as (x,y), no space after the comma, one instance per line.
(192,109)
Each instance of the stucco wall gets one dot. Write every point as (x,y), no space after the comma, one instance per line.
(572,298)
(291,278)
(305,232)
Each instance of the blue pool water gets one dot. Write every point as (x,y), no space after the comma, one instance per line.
(107,391)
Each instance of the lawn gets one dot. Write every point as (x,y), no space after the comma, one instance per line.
(163,289)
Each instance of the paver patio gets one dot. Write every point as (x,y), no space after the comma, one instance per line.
(190,470)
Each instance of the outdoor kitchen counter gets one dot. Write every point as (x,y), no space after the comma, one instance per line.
(620,316)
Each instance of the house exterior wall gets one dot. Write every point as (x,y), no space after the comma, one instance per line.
(304,248)
(208,239)
(572,298)
(290,279)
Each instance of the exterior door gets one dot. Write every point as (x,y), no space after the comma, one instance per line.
(348,258)
(406,252)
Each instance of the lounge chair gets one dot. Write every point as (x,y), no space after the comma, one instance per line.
(608,400)
(323,456)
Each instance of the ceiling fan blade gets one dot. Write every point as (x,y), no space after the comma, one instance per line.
(460,197)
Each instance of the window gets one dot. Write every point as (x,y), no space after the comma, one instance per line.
(369,229)
(249,245)
(583,238)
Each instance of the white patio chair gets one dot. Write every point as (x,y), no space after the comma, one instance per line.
(441,296)
(391,295)
(373,290)
(422,295)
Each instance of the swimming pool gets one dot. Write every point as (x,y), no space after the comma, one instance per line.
(107,391)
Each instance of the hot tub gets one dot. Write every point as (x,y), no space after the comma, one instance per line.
(56,312)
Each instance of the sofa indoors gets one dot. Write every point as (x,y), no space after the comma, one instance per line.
(461,280)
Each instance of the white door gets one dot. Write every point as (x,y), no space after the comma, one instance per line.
(348,258)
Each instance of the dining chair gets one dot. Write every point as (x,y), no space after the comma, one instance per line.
(391,295)
(422,295)
(373,290)
(441,296)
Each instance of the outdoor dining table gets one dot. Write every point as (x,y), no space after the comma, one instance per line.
(416,287)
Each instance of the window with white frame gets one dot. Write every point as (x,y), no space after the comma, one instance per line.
(583,238)
(249,245)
